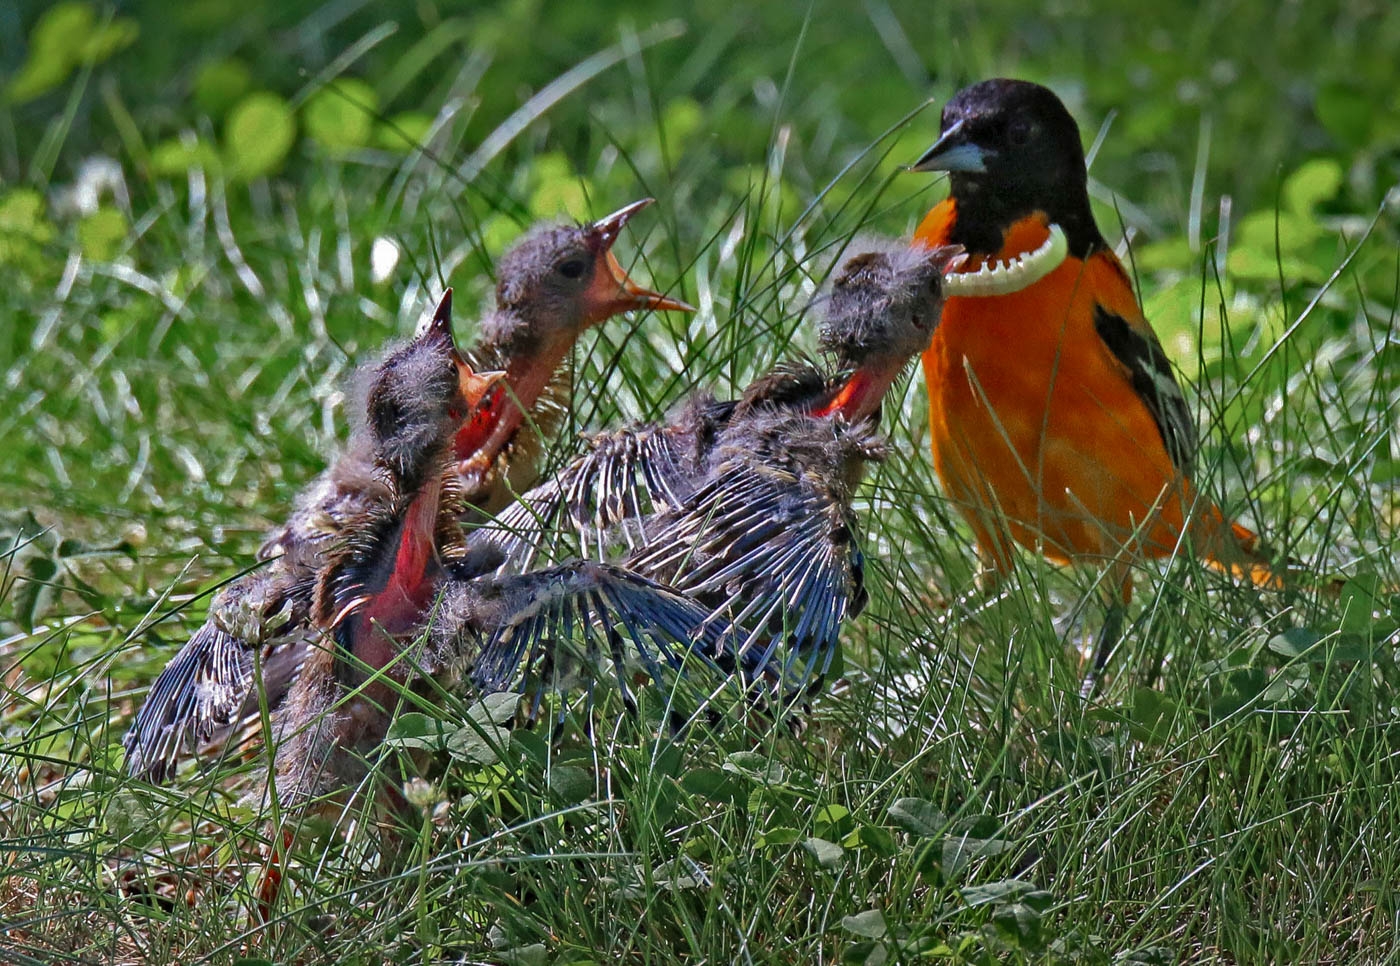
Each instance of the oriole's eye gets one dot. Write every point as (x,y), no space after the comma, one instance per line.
(572,268)
(1019,131)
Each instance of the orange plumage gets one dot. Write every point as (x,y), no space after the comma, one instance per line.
(1054,416)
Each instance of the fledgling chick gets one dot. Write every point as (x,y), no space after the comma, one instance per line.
(383,582)
(260,625)
(400,616)
(552,286)
(746,506)
(400,607)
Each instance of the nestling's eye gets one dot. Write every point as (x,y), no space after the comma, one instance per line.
(573,268)
(1019,131)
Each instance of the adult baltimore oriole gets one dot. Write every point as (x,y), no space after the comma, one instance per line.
(1055,418)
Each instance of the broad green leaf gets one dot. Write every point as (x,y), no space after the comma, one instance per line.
(1293,642)
(1149,717)
(341,115)
(24,232)
(22,215)
(570,784)
(62,28)
(918,817)
(37,77)
(1360,603)
(413,729)
(497,708)
(870,924)
(714,784)
(131,817)
(827,854)
(762,768)
(403,132)
(1018,923)
(480,740)
(535,954)
(219,85)
(174,157)
(64,37)
(531,745)
(1000,891)
(872,837)
(1268,232)
(258,134)
(959,851)
(1172,252)
(1316,181)
(100,234)
(1256,265)
(833,822)
(865,953)
(1283,687)
(477,744)
(778,835)
(109,38)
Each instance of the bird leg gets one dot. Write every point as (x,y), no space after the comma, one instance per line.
(270,885)
(1120,593)
(1104,644)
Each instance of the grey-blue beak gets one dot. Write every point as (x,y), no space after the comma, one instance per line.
(952,153)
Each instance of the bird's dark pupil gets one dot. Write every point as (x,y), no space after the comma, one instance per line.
(573,268)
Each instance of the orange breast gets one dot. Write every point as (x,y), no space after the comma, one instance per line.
(1037,431)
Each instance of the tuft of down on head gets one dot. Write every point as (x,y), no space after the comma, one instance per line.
(540,284)
(412,407)
(884,301)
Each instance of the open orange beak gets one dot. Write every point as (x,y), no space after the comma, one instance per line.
(612,291)
(476,386)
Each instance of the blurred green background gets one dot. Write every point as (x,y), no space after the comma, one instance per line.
(1270,83)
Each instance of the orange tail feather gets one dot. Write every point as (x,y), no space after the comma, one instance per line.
(1233,549)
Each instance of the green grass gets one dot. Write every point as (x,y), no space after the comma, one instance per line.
(1230,796)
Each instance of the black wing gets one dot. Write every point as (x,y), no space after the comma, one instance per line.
(602,496)
(775,556)
(207,688)
(554,628)
(198,692)
(1137,348)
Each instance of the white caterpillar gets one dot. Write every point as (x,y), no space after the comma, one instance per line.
(1003,278)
